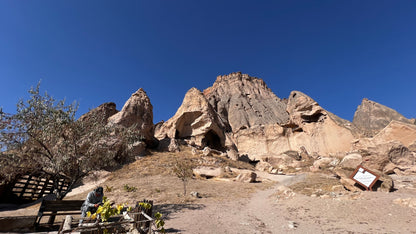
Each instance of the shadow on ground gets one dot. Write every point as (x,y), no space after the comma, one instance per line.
(168,209)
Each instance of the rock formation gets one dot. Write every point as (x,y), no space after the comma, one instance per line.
(103,112)
(243,102)
(137,111)
(309,128)
(372,117)
(196,122)
(242,115)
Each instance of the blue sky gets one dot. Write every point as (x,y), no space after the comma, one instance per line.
(337,52)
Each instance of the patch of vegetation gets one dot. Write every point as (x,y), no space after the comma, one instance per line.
(43,137)
(129,188)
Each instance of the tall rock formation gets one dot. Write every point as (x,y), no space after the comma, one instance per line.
(317,129)
(263,125)
(243,102)
(137,111)
(196,122)
(371,117)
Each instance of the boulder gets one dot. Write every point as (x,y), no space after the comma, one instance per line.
(351,161)
(208,172)
(137,111)
(371,117)
(206,151)
(247,177)
(263,166)
(323,163)
(138,148)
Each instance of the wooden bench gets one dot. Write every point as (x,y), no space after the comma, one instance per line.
(58,207)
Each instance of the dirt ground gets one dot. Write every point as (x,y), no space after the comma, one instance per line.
(301,203)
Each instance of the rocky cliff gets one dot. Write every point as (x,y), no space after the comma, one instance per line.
(243,102)
(371,117)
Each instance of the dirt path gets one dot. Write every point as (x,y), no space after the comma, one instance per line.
(258,214)
(366,212)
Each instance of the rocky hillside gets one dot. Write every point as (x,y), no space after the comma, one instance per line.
(241,118)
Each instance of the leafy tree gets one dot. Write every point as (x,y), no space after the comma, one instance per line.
(44,137)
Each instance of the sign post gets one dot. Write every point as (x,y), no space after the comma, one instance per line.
(364,177)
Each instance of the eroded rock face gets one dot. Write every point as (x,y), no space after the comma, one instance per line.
(243,102)
(372,117)
(137,111)
(195,121)
(103,112)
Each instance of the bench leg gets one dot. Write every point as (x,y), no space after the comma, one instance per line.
(52,218)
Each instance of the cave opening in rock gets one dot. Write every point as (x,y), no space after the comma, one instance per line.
(213,141)
(313,118)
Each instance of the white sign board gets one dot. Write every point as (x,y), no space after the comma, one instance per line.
(364,177)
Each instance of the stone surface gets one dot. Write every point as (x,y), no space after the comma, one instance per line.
(247,177)
(138,148)
(372,117)
(195,120)
(351,161)
(103,112)
(243,102)
(323,163)
(137,111)
(208,172)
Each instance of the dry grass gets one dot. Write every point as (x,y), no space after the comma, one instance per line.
(316,184)
(154,179)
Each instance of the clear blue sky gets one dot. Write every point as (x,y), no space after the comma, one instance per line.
(337,52)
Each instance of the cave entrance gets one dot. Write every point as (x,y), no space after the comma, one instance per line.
(213,141)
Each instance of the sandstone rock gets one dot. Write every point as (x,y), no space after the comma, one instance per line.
(412,147)
(304,153)
(388,157)
(194,151)
(385,183)
(103,112)
(206,151)
(195,194)
(263,166)
(280,161)
(195,120)
(323,163)
(351,161)
(349,184)
(243,101)
(173,146)
(137,111)
(401,156)
(406,202)
(397,131)
(208,172)
(372,117)
(232,154)
(248,177)
(138,148)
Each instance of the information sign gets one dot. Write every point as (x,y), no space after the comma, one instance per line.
(364,177)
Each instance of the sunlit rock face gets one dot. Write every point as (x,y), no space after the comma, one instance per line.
(195,122)
(371,117)
(262,125)
(137,111)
